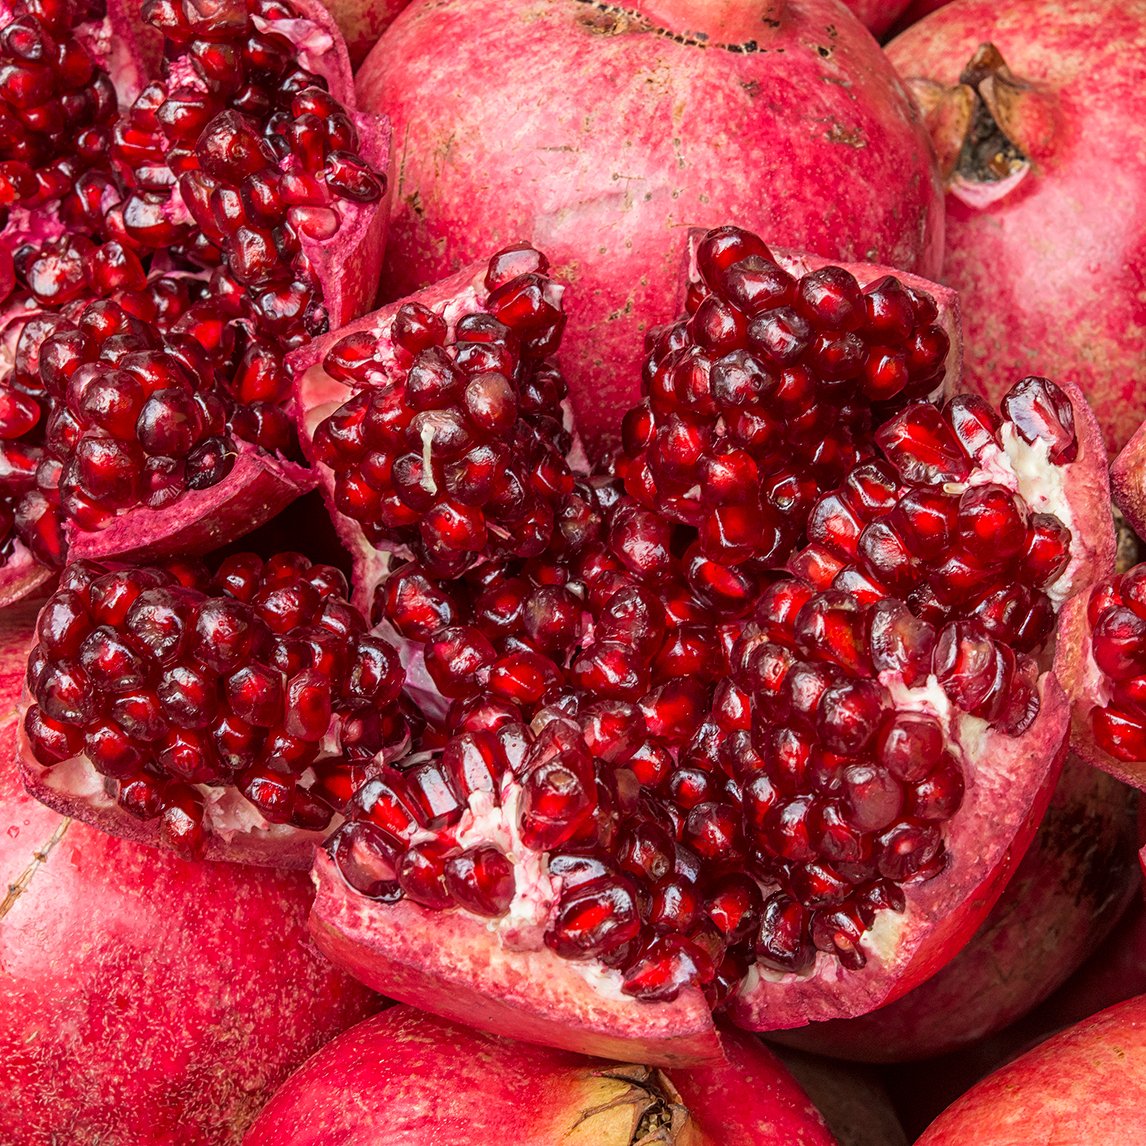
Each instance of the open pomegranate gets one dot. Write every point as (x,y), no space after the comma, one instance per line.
(134,1006)
(1044,164)
(169,244)
(626,143)
(223,713)
(699,737)
(404,1077)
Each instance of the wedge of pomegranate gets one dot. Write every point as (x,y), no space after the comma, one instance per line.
(221,216)
(439,425)
(649,798)
(224,715)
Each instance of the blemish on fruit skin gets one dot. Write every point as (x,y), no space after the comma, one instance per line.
(39,857)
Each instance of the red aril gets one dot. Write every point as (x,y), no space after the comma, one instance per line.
(1043,168)
(626,143)
(134,1005)
(194,236)
(406,1077)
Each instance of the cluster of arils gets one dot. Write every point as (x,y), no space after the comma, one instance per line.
(168,260)
(454,445)
(1116,613)
(767,391)
(57,105)
(617,755)
(177,683)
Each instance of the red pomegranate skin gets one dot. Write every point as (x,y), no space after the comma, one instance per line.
(1084,1085)
(143,999)
(363,21)
(1050,274)
(601,159)
(405,1078)
(877,15)
(1073,885)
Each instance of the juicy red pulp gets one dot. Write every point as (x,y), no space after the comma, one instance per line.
(457,448)
(181,274)
(260,676)
(1117,615)
(716,782)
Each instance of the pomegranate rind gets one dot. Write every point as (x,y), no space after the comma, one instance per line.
(135,1007)
(1128,480)
(1010,781)
(1009,241)
(1086,1084)
(449,963)
(1074,884)
(258,487)
(600,193)
(404,1078)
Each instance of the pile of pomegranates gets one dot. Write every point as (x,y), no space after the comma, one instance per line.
(574,538)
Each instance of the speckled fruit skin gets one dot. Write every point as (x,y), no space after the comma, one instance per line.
(1050,274)
(1084,1085)
(590,131)
(404,1078)
(143,1000)
(1074,883)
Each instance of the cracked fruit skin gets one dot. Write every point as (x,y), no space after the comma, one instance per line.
(144,999)
(405,1078)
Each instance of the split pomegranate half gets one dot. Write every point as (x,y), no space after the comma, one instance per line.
(225,714)
(172,240)
(679,761)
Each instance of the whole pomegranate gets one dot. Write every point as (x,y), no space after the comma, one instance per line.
(143,999)
(1073,885)
(1045,162)
(404,1078)
(601,132)
(1086,1084)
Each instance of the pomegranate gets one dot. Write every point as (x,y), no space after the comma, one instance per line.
(220,713)
(1086,1084)
(1073,885)
(601,160)
(134,1006)
(404,1077)
(167,254)
(1043,160)
(878,16)
(661,768)
(363,21)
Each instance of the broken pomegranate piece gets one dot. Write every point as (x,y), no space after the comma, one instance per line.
(224,715)
(179,239)
(640,803)
(440,425)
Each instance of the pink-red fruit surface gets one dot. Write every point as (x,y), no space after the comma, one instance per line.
(1084,1085)
(143,999)
(599,132)
(404,1078)
(1046,218)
